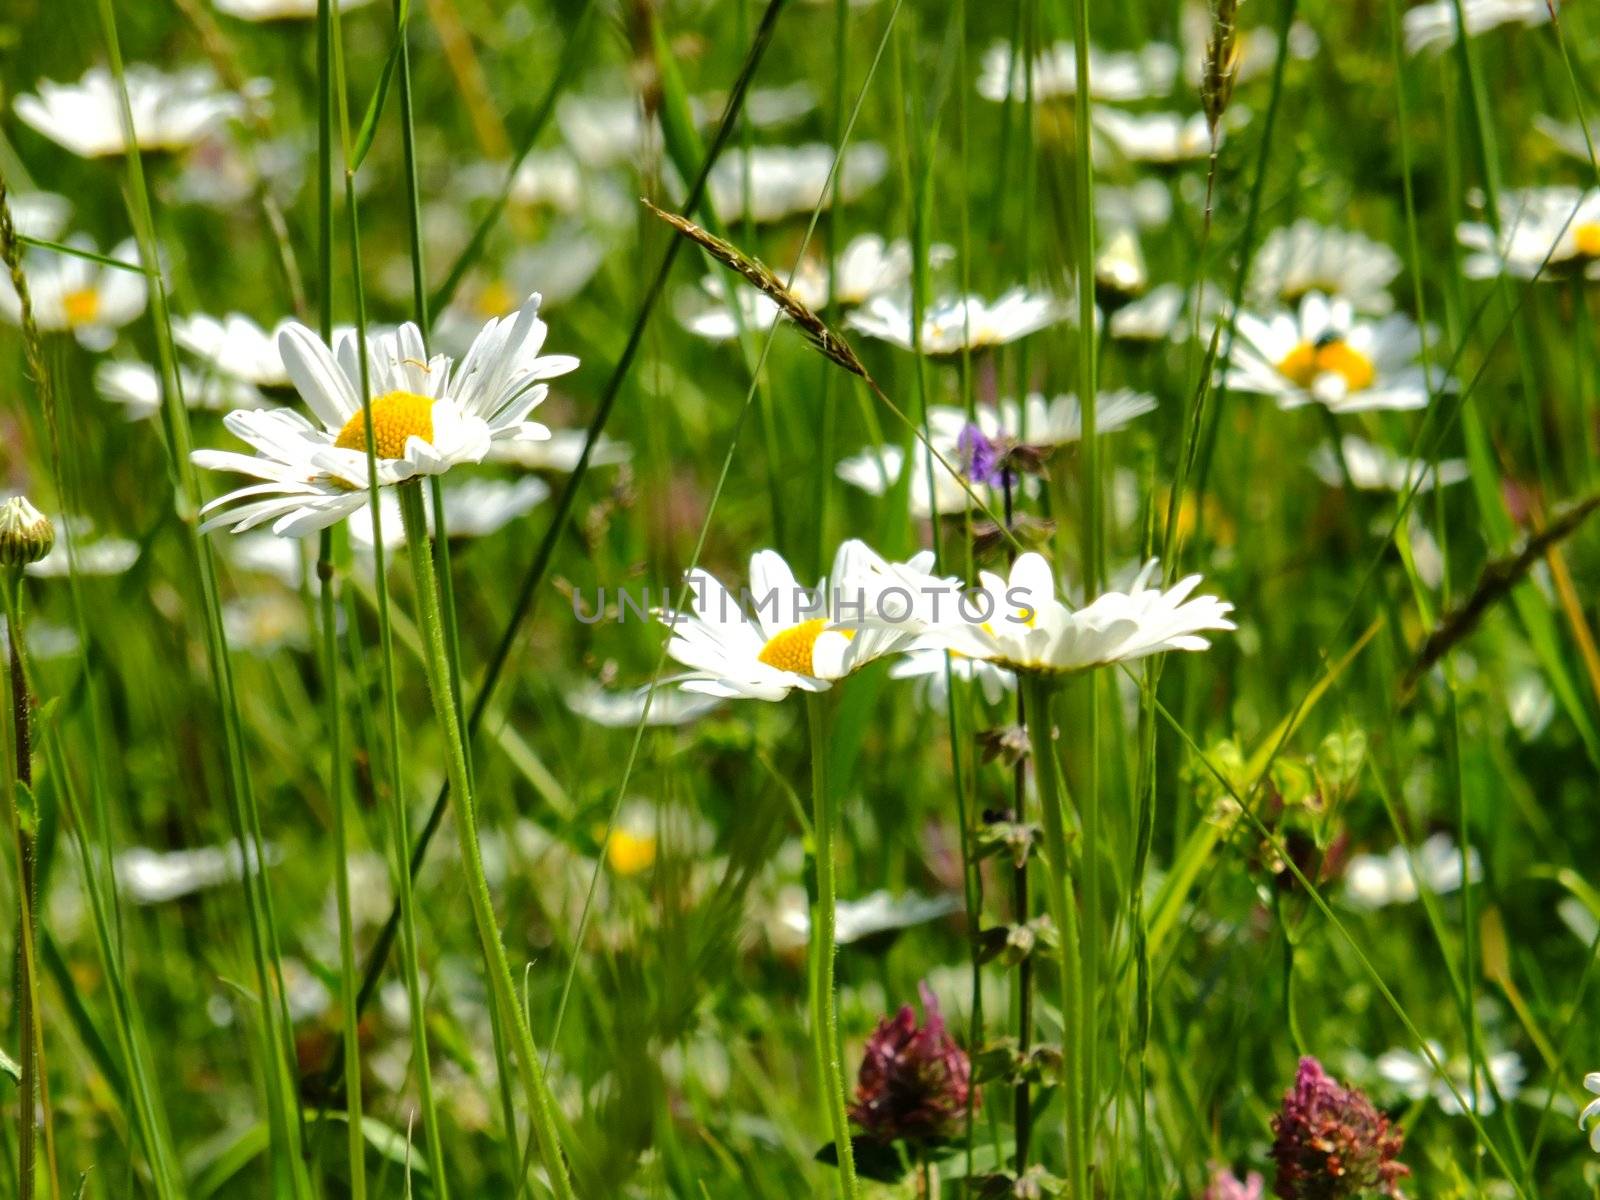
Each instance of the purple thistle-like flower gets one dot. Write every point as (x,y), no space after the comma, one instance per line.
(914,1080)
(1225,1185)
(984,456)
(1330,1143)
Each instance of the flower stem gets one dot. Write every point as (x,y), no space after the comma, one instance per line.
(502,986)
(1076,1106)
(824,1009)
(27,998)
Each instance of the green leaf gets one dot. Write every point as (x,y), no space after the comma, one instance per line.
(369,122)
(8,1066)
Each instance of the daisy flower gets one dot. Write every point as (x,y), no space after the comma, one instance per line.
(1413,1075)
(624,710)
(876,469)
(1161,137)
(926,668)
(1374,881)
(789,641)
(77,549)
(1306,257)
(1120,274)
(764,107)
(137,387)
(1144,204)
(560,452)
(1544,232)
(1059,422)
(1568,137)
(170,112)
(280,10)
(77,295)
(772,182)
(604,131)
(473,508)
(1432,26)
(957,323)
(235,346)
(1591,1083)
(1376,469)
(1118,76)
(546,179)
(428,415)
(562,265)
(1325,354)
(1019,623)
(1255,52)
(40,215)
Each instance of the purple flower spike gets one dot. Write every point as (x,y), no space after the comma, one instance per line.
(1330,1143)
(982,455)
(914,1080)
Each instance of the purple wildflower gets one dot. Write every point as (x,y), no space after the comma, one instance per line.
(985,457)
(1330,1143)
(914,1081)
(1227,1186)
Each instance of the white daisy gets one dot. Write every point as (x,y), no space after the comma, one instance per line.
(1373,881)
(137,386)
(1019,623)
(427,416)
(560,452)
(605,131)
(153,876)
(1059,421)
(280,10)
(1308,257)
(285,559)
(76,295)
(1591,1083)
(764,107)
(170,112)
(1325,354)
(876,469)
(77,549)
(1569,137)
(1159,137)
(1113,75)
(1414,1076)
(40,215)
(623,710)
(235,346)
(1432,26)
(473,508)
(773,182)
(956,323)
(1256,49)
(546,179)
(932,688)
(562,264)
(1544,232)
(873,915)
(1377,469)
(263,623)
(1144,204)
(1120,274)
(788,641)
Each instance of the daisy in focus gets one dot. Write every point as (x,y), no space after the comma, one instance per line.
(170,112)
(1544,232)
(1119,76)
(1325,354)
(428,415)
(788,642)
(77,295)
(1306,257)
(956,323)
(1019,623)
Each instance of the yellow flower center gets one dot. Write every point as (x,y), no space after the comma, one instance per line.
(496,299)
(1330,356)
(1587,239)
(791,649)
(630,853)
(81,305)
(396,416)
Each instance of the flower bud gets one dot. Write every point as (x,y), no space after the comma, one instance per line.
(26,534)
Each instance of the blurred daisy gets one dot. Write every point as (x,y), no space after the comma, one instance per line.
(1059,422)
(285,559)
(153,876)
(932,685)
(1146,204)
(170,112)
(772,182)
(1377,469)
(1120,274)
(1433,26)
(40,215)
(473,508)
(1591,1083)
(874,915)
(1546,231)
(1256,49)
(561,265)
(78,549)
(77,295)
(1374,881)
(137,387)
(1113,75)
(235,346)
(957,323)
(265,622)
(1325,354)
(876,469)
(428,415)
(604,131)
(1413,1075)
(1019,623)
(560,452)
(1307,257)
(1155,137)
(788,643)
(546,179)
(764,107)
(625,709)
(1569,137)
(280,10)
(631,849)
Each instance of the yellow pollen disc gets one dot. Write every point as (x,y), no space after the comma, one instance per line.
(630,853)
(1587,239)
(1308,360)
(496,299)
(396,416)
(791,649)
(82,306)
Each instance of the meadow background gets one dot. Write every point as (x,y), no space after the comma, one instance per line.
(654,881)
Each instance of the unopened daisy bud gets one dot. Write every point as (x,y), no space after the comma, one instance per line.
(1221,67)
(26,534)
